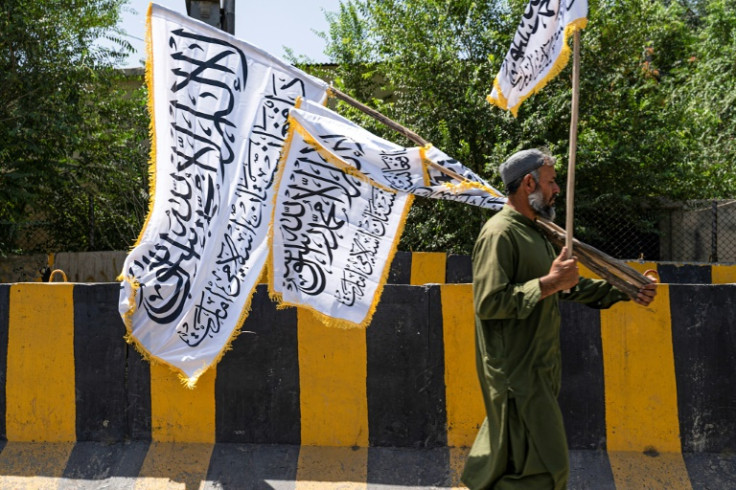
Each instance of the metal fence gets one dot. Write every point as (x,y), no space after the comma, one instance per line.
(26,238)
(692,231)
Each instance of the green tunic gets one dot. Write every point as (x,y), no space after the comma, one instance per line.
(522,442)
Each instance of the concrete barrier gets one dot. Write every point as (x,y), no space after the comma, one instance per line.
(648,393)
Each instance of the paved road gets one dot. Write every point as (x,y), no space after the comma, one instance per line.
(142,465)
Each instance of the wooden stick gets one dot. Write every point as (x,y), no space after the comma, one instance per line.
(409,134)
(598,258)
(573,142)
(621,275)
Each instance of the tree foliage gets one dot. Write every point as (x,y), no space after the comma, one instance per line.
(72,139)
(656,103)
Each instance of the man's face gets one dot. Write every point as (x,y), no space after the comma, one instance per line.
(542,199)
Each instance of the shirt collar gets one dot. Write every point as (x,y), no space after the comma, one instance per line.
(513,214)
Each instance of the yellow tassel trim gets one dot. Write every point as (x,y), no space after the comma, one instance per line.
(276,186)
(151,126)
(467,185)
(454,187)
(558,66)
(425,171)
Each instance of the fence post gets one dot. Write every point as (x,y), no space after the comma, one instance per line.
(714,232)
(91,222)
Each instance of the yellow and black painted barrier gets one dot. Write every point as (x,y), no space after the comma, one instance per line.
(648,393)
(438,267)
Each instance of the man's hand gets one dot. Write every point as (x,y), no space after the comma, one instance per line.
(646,294)
(562,275)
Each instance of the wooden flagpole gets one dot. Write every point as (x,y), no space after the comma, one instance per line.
(409,134)
(570,197)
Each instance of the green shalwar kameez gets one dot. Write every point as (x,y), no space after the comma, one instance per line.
(522,442)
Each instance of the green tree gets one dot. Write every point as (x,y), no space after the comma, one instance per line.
(705,90)
(425,64)
(70,137)
(650,126)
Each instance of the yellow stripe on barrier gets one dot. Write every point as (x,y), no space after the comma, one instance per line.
(465,410)
(170,466)
(639,375)
(343,468)
(723,274)
(428,267)
(180,414)
(40,390)
(641,393)
(332,372)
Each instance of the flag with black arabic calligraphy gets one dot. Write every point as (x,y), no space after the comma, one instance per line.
(219,109)
(539,50)
(342,198)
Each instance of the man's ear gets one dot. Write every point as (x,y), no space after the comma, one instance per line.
(530,183)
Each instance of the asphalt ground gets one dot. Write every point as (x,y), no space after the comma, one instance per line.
(143,465)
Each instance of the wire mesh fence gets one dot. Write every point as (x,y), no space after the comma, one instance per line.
(26,238)
(692,231)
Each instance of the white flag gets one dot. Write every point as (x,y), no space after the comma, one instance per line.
(219,108)
(539,50)
(342,201)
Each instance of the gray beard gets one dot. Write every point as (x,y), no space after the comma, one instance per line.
(536,201)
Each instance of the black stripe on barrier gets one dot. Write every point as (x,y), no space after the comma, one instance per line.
(405,386)
(252,466)
(4,326)
(458,269)
(684,274)
(703,338)
(99,364)
(582,394)
(138,392)
(400,272)
(101,461)
(257,384)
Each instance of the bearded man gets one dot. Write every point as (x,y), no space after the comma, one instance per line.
(518,280)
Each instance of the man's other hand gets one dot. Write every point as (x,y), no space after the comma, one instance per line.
(646,294)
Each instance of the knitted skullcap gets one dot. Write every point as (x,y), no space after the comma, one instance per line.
(521,163)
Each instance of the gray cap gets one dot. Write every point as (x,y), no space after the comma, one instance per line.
(521,163)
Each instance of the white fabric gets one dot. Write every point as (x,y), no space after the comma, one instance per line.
(539,50)
(414,170)
(341,204)
(219,111)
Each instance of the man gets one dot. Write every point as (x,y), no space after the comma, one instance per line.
(517,282)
